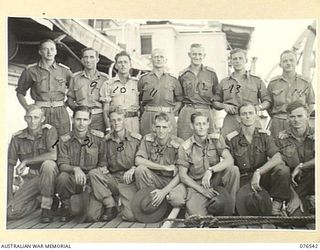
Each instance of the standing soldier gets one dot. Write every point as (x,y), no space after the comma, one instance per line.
(118,178)
(79,152)
(287,88)
(159,92)
(201,169)
(258,158)
(48,82)
(239,88)
(84,89)
(122,90)
(199,85)
(296,145)
(156,160)
(34,147)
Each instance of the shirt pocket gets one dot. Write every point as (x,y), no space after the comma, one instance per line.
(80,93)
(60,84)
(25,151)
(42,83)
(279,97)
(249,94)
(92,155)
(188,87)
(149,92)
(168,95)
(241,159)
(204,88)
(260,156)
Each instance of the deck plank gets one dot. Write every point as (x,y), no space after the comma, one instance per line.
(154,225)
(98,224)
(254,226)
(16,223)
(55,224)
(114,223)
(268,226)
(83,225)
(29,224)
(138,225)
(70,224)
(125,224)
(40,225)
(311,226)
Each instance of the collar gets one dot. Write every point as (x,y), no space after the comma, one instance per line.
(309,133)
(194,141)
(127,136)
(202,68)
(246,74)
(25,135)
(40,65)
(95,76)
(117,78)
(243,142)
(156,144)
(74,137)
(154,73)
(286,80)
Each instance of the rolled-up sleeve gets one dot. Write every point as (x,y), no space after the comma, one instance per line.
(182,158)
(143,149)
(263,93)
(63,153)
(24,83)
(178,94)
(12,153)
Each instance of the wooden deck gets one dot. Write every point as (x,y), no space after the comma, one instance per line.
(32,222)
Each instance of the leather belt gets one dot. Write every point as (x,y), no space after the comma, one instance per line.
(95,111)
(130,114)
(246,173)
(198,106)
(49,104)
(280,116)
(158,109)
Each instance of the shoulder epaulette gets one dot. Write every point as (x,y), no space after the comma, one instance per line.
(136,135)
(303,78)
(232,134)
(63,66)
(31,65)
(150,137)
(145,74)
(275,78)
(264,131)
(134,78)
(48,126)
(104,74)
(107,137)
(186,144)
(210,69)
(215,136)
(65,137)
(17,133)
(77,73)
(97,133)
(251,75)
(183,71)
(176,141)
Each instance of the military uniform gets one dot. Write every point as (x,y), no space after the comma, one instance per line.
(41,177)
(161,154)
(199,93)
(251,156)
(282,93)
(125,95)
(48,88)
(231,91)
(197,159)
(293,152)
(158,95)
(86,92)
(74,152)
(120,157)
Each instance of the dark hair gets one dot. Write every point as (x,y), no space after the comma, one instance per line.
(46,41)
(161,117)
(246,104)
(86,49)
(288,52)
(237,50)
(34,107)
(122,53)
(296,104)
(197,114)
(196,45)
(81,108)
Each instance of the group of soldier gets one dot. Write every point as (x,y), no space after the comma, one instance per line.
(125,138)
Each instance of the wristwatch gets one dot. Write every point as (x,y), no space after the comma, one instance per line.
(211,169)
(257,170)
(300,166)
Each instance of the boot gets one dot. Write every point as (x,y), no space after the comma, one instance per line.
(46,216)
(276,208)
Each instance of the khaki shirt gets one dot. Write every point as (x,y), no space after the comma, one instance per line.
(86,91)
(86,154)
(117,93)
(198,158)
(249,89)
(201,88)
(120,155)
(45,84)
(23,145)
(165,155)
(294,152)
(250,156)
(282,93)
(164,91)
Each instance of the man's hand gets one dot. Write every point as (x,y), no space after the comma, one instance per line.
(230,109)
(172,168)
(159,196)
(209,193)
(79,176)
(104,170)
(294,204)
(296,174)
(128,175)
(20,169)
(255,182)
(206,179)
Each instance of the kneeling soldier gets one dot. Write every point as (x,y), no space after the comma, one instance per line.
(258,158)
(200,167)
(80,151)
(120,148)
(33,147)
(156,159)
(296,145)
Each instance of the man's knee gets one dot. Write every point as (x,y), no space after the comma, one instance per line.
(177,196)
(233,171)
(282,170)
(94,173)
(140,171)
(48,167)
(62,179)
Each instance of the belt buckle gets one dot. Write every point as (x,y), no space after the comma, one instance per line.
(51,104)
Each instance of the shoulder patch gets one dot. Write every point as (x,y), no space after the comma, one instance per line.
(186,144)
(175,142)
(31,65)
(65,137)
(215,136)
(136,135)
(264,131)
(48,126)
(210,69)
(232,134)
(77,73)
(17,133)
(150,137)
(63,66)
(97,133)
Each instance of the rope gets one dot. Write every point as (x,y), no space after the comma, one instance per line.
(231,221)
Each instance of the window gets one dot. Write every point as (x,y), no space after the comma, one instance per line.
(146,45)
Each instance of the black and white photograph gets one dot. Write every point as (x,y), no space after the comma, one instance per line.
(161,124)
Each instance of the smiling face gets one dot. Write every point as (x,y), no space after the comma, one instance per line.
(248,115)
(123,65)
(288,62)
(117,121)
(48,51)
(200,126)
(298,118)
(89,59)
(196,55)
(238,61)
(81,121)
(34,119)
